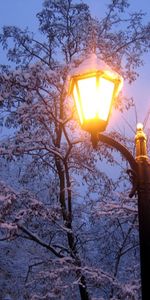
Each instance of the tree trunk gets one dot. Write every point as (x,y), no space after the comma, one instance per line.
(67,218)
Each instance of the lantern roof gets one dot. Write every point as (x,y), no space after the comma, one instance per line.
(93,64)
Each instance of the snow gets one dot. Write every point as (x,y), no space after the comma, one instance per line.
(90,64)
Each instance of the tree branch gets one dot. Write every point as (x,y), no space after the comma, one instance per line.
(39,241)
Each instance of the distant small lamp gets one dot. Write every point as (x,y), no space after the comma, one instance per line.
(94,87)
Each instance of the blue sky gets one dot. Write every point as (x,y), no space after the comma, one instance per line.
(22,13)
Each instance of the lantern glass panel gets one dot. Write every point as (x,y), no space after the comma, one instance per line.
(105,95)
(78,103)
(88,97)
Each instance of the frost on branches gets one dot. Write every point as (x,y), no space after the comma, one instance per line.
(68,230)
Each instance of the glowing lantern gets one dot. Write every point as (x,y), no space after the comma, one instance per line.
(94,87)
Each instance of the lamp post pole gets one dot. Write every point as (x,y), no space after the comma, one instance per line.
(140,169)
(143,190)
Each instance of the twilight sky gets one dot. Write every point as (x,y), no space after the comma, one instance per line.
(22,14)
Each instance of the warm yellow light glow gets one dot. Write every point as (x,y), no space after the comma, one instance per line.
(114,78)
(88,94)
(94,98)
(78,104)
(94,93)
(105,95)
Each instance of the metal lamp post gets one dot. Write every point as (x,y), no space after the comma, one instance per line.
(94,87)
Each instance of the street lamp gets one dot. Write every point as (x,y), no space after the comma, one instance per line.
(94,88)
